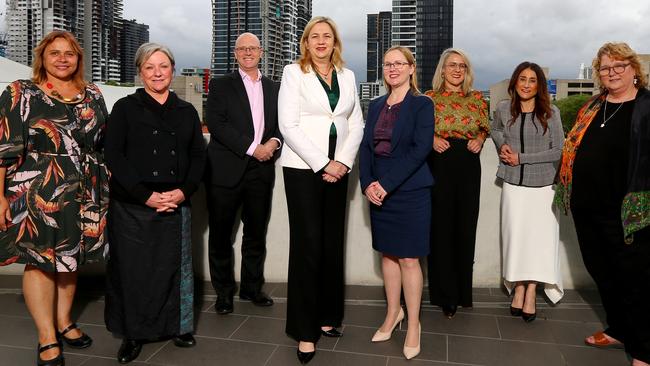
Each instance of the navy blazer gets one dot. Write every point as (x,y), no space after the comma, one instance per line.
(411,143)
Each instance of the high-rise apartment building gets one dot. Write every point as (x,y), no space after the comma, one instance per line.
(435,33)
(426,28)
(379,40)
(277,23)
(133,35)
(95,23)
(28,21)
(404,23)
(3,44)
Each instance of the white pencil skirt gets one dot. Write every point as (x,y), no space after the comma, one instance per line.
(531,236)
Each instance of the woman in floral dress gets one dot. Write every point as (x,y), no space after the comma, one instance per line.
(54,190)
(461,128)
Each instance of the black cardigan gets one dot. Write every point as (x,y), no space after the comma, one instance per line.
(152,147)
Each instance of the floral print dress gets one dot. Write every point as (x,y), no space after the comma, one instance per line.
(56,181)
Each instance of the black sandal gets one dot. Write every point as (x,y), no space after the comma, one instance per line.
(82,342)
(56,361)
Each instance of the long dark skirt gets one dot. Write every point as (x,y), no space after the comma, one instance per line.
(457,173)
(150,289)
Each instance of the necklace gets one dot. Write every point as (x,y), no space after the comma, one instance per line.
(605,113)
(77,98)
(325,75)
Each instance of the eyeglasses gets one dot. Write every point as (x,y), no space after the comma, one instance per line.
(248,49)
(455,65)
(397,65)
(618,69)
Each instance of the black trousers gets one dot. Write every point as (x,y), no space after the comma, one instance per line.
(317,212)
(455,200)
(621,273)
(253,195)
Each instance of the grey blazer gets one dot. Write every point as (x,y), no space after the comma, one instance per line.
(539,152)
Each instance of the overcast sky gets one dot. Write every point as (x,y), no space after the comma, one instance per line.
(559,34)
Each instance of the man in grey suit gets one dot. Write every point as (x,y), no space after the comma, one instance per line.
(242,118)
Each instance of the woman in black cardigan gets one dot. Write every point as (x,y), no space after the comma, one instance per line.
(155,152)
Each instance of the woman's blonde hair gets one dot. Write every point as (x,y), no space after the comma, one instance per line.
(305,60)
(39,74)
(413,80)
(623,52)
(438,82)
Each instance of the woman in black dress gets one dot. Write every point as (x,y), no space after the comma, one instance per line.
(155,151)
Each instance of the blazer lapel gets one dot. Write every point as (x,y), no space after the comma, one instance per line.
(343,90)
(373,113)
(316,89)
(238,84)
(402,120)
(267,86)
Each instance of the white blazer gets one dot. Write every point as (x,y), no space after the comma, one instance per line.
(305,116)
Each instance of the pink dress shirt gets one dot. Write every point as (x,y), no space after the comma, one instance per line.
(256,101)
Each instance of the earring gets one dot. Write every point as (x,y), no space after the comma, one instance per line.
(636,81)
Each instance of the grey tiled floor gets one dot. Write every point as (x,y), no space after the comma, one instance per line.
(483,335)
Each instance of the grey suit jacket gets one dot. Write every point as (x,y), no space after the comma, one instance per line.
(539,152)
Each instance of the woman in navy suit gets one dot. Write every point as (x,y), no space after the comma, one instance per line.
(397,182)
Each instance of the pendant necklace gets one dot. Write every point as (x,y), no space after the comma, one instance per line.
(77,98)
(605,113)
(324,75)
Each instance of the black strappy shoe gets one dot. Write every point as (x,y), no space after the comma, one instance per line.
(56,361)
(82,342)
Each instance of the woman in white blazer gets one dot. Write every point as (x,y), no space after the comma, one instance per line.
(322,125)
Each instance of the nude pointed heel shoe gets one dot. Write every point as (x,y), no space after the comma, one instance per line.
(410,352)
(384,336)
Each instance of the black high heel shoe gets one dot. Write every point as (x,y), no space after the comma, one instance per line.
(56,361)
(332,333)
(305,357)
(528,317)
(449,310)
(516,311)
(84,341)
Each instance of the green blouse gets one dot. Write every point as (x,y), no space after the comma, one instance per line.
(333,94)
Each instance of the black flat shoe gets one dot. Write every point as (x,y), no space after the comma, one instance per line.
(184,340)
(82,342)
(515,311)
(56,361)
(224,305)
(449,310)
(305,357)
(259,299)
(332,333)
(129,351)
(528,317)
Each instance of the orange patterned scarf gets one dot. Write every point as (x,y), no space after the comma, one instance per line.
(586,115)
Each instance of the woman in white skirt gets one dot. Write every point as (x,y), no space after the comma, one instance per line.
(528,135)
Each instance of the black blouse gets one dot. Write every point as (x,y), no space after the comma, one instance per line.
(600,167)
(153,147)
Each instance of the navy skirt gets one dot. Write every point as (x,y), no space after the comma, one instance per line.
(401,225)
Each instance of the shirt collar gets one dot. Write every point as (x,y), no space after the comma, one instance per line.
(246,77)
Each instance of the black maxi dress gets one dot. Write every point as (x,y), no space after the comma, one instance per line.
(151,148)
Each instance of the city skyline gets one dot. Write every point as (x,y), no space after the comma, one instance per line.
(496,35)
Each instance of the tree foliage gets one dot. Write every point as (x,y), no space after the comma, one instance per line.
(569,108)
